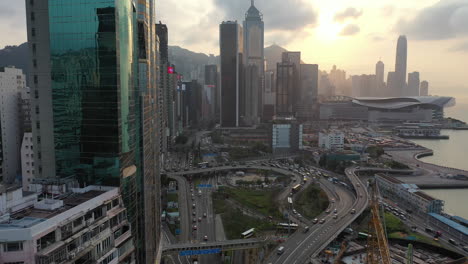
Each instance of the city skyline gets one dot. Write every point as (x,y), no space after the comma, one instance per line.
(318,27)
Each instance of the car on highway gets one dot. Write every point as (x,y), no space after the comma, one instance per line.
(199,219)
(294,211)
(315,221)
(335,216)
(205,238)
(353,211)
(204,215)
(280,250)
(306,229)
(195,227)
(194,220)
(327,211)
(322,221)
(194,213)
(335,211)
(333,200)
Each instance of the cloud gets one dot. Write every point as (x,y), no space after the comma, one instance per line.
(444,20)
(12,22)
(348,13)
(463,47)
(277,14)
(350,30)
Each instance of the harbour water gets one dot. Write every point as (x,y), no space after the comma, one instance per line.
(451,153)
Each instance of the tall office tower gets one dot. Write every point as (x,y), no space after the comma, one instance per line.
(424,91)
(380,76)
(413,84)
(293,58)
(255,67)
(99,128)
(211,81)
(400,66)
(12,81)
(270,96)
(232,73)
(163,91)
(285,84)
(308,94)
(193,102)
(391,84)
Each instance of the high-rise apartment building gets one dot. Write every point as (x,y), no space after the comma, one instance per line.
(413,84)
(255,66)
(232,73)
(164,91)
(424,91)
(401,66)
(12,82)
(100,128)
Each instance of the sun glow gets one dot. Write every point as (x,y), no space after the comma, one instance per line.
(328,30)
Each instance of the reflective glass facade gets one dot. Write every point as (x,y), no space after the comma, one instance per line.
(92,54)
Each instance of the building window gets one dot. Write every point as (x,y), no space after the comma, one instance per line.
(37,109)
(33,16)
(34,49)
(13,246)
(33,32)
(31,2)
(36,94)
(36,79)
(38,126)
(35,63)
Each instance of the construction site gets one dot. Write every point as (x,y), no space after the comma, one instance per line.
(374,247)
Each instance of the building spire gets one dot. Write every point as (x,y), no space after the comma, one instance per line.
(253,2)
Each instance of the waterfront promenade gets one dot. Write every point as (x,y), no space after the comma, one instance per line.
(429,175)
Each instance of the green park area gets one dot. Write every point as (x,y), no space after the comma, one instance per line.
(234,221)
(311,202)
(262,201)
(397,229)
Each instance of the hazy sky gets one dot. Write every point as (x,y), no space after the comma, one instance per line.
(354,35)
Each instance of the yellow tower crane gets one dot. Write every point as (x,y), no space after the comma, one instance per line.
(377,245)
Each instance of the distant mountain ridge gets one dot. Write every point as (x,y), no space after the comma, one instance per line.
(15,56)
(188,63)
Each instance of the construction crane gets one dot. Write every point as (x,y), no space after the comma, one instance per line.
(377,245)
(344,246)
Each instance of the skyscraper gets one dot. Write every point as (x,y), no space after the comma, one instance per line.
(93,75)
(413,84)
(211,82)
(380,75)
(401,65)
(285,85)
(424,89)
(308,94)
(391,84)
(164,91)
(255,66)
(232,73)
(292,58)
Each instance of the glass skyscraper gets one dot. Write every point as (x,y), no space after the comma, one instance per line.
(255,66)
(93,71)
